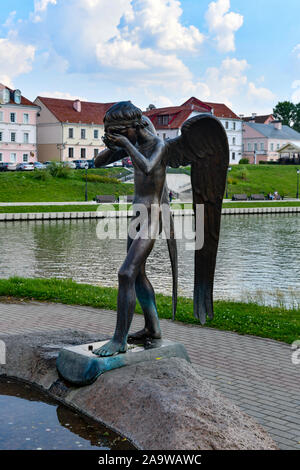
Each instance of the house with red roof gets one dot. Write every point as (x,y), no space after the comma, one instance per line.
(69,130)
(18,141)
(168,121)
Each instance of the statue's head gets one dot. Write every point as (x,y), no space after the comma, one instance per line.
(125,118)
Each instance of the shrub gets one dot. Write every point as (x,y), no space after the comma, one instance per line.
(242,174)
(244,161)
(101,179)
(57,170)
(41,175)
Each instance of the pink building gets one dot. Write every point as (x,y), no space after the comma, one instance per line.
(17,127)
(261,142)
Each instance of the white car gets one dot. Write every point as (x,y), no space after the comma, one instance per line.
(70,165)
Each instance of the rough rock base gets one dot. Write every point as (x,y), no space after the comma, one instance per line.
(164,405)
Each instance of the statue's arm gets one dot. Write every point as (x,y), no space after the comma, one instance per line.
(146,164)
(108,156)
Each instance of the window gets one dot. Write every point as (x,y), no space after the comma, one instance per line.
(25,118)
(13,157)
(71,151)
(1,138)
(233,156)
(12,117)
(12,136)
(1,115)
(234,126)
(83,133)
(278,146)
(26,138)
(96,134)
(226,125)
(1,157)
(262,146)
(25,157)
(249,147)
(71,133)
(255,147)
(83,153)
(272,147)
(96,151)
(166,120)
(233,140)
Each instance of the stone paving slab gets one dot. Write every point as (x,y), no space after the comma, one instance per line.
(255,373)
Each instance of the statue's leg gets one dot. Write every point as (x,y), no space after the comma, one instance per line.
(137,254)
(146,297)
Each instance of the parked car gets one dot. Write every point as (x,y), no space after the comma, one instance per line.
(81,164)
(8,166)
(118,163)
(39,166)
(47,163)
(71,165)
(91,163)
(25,167)
(127,162)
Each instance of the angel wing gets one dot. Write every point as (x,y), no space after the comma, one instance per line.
(203,144)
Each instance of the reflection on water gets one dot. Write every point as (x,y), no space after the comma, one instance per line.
(30,420)
(257,252)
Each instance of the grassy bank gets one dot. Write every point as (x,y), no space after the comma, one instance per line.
(243,318)
(30,186)
(257,179)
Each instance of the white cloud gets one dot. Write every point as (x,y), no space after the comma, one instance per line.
(297,50)
(15,59)
(40,6)
(223,24)
(61,95)
(296,93)
(261,93)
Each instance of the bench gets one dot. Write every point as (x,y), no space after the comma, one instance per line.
(257,197)
(239,197)
(105,199)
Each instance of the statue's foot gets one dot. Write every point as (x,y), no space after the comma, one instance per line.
(111,348)
(144,334)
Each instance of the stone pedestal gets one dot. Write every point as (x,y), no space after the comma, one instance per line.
(80,366)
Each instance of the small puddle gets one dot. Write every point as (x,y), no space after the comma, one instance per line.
(30,420)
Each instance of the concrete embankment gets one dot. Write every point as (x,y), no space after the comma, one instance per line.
(27,216)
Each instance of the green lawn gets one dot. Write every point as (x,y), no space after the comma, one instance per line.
(68,208)
(25,187)
(244,318)
(257,179)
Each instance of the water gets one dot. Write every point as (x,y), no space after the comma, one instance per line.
(30,420)
(258,256)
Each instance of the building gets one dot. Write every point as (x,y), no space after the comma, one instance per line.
(290,152)
(168,122)
(69,129)
(261,142)
(264,119)
(17,127)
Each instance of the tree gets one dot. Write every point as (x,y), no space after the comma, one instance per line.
(296,125)
(287,113)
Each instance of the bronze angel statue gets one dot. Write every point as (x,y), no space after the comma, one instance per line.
(202,144)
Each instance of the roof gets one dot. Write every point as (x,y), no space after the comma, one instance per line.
(292,143)
(259,119)
(179,114)
(269,131)
(24,101)
(91,113)
(220,110)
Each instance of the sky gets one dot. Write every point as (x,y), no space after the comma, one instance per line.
(245,53)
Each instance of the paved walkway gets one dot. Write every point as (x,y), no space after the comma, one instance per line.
(257,374)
